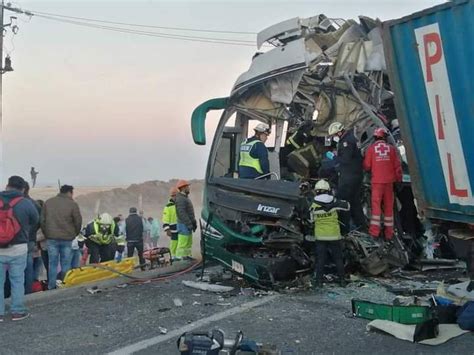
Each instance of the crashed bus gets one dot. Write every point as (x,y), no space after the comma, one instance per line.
(306,74)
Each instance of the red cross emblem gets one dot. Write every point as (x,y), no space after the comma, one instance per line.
(382,149)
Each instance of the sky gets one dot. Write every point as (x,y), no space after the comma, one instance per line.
(93,107)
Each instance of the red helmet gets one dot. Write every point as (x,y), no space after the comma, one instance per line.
(380,133)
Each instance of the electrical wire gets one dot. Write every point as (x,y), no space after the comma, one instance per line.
(149,32)
(154,34)
(142,25)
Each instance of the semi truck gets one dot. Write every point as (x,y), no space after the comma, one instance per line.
(429,56)
(414,72)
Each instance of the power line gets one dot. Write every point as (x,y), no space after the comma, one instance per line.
(154,34)
(142,25)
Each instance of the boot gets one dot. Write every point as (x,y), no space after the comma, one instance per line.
(317,282)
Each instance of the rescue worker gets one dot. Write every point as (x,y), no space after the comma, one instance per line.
(254,154)
(327,232)
(382,161)
(186,220)
(120,239)
(100,238)
(349,165)
(170,222)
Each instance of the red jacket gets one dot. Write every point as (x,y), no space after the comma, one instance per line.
(382,160)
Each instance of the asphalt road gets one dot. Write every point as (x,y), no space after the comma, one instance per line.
(121,319)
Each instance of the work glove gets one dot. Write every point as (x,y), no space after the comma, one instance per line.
(168,233)
(194,226)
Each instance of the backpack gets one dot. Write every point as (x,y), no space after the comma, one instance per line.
(466,316)
(9,225)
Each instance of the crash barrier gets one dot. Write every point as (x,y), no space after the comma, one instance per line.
(399,314)
(98,272)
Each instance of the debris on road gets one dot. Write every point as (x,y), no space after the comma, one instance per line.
(93,290)
(207,287)
(163,330)
(178,302)
(463,290)
(411,333)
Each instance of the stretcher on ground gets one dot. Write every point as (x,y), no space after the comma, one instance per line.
(98,272)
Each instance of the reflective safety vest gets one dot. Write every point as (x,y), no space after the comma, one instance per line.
(170,218)
(120,240)
(326,223)
(246,159)
(102,239)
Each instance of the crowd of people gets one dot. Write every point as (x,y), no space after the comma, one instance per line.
(336,210)
(50,234)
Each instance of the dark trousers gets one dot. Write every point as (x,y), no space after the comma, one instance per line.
(349,189)
(100,253)
(322,248)
(131,246)
(44,256)
(29,271)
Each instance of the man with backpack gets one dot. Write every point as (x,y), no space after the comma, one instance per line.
(17,216)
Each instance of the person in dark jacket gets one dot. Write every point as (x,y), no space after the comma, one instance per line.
(134,234)
(254,154)
(349,188)
(14,255)
(30,270)
(186,220)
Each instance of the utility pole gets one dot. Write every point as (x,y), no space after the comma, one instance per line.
(5,68)
(1,95)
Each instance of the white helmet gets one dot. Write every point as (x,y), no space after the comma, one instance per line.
(322,185)
(262,128)
(106,218)
(335,127)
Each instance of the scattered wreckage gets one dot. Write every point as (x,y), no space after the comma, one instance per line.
(319,71)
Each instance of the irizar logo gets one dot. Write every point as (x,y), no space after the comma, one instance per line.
(267,209)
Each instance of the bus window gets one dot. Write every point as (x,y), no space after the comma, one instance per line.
(227,149)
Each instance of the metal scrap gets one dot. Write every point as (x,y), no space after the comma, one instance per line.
(207,287)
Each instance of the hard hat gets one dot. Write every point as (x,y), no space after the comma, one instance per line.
(395,123)
(173,191)
(262,128)
(335,127)
(182,183)
(380,132)
(322,185)
(106,218)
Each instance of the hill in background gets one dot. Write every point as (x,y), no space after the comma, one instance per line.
(150,196)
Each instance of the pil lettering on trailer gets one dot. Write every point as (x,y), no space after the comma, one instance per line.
(443,114)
